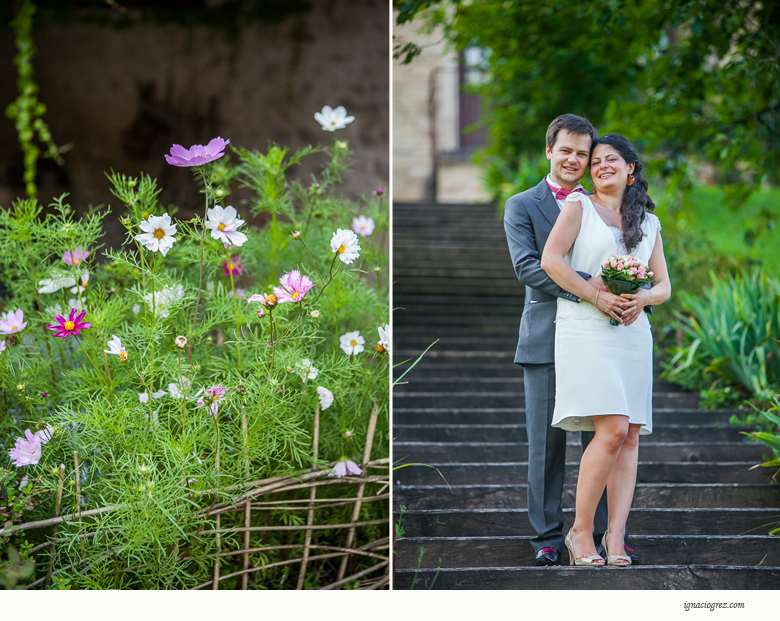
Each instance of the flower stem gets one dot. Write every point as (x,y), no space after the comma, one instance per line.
(200,278)
(235,309)
(313,261)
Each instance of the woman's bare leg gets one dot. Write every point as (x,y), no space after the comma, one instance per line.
(595,468)
(620,489)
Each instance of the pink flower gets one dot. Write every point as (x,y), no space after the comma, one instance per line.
(197,155)
(633,270)
(12,322)
(268,300)
(261,312)
(606,265)
(26,452)
(379,191)
(212,397)
(233,267)
(76,256)
(70,326)
(294,287)
(344,467)
(620,266)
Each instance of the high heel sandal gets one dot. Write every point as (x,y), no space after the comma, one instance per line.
(617,560)
(590,561)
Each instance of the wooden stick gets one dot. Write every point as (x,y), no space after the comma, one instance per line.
(255,529)
(312,496)
(361,490)
(56,520)
(47,582)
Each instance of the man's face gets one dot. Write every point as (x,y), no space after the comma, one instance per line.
(569,158)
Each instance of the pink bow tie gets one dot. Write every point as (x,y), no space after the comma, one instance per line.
(562,193)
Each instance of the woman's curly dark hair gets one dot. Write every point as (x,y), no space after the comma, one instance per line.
(636,202)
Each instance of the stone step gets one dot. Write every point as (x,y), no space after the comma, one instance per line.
(405,319)
(516,415)
(450,452)
(464,302)
(506,399)
(457,552)
(658,522)
(688,577)
(647,472)
(646,496)
(518,433)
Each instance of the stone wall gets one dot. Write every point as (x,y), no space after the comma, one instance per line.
(122,97)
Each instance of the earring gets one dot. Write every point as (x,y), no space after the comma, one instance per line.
(630,180)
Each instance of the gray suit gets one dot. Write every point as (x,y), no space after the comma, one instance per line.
(528,220)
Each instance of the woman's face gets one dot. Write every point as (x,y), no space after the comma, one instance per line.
(608,169)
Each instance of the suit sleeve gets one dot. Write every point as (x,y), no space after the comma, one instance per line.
(526,257)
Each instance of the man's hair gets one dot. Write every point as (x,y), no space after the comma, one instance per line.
(574,125)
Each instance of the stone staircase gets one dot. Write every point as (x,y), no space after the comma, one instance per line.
(700,514)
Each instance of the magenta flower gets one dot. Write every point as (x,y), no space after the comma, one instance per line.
(344,467)
(294,287)
(233,267)
(26,452)
(379,191)
(197,155)
(212,398)
(12,322)
(76,256)
(70,326)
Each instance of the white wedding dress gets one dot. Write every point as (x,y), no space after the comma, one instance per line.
(599,368)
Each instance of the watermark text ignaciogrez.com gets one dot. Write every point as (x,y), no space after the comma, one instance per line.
(712,605)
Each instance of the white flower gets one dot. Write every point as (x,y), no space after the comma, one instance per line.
(116,348)
(315,314)
(326,397)
(75,303)
(363,226)
(384,336)
(177,390)
(352,343)
(2,346)
(180,341)
(143,397)
(343,467)
(158,233)
(224,225)
(136,309)
(306,369)
(51,285)
(345,242)
(84,278)
(331,119)
(162,299)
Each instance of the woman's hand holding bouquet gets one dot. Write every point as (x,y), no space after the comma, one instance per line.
(625,275)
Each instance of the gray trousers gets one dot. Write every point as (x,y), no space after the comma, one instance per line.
(547,460)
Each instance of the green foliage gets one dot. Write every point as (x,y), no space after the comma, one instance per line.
(730,338)
(134,447)
(27,112)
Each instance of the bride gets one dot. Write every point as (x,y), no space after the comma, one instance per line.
(604,373)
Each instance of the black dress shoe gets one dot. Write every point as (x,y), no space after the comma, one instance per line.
(546,557)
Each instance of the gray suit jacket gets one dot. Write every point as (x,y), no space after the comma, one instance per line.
(528,219)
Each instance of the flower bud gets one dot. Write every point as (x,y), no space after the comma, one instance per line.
(347,434)
(377,269)
(379,191)
(144,470)
(261,312)
(20,387)
(288,369)
(315,314)
(180,341)
(296,234)
(379,348)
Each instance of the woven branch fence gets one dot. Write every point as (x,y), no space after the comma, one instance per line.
(251,502)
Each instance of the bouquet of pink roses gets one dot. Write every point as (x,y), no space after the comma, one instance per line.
(624,274)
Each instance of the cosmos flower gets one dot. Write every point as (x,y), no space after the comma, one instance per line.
(212,397)
(45,434)
(344,467)
(177,389)
(115,348)
(269,300)
(346,244)
(2,346)
(26,452)
(70,326)
(326,397)
(294,287)
(233,267)
(306,369)
(162,299)
(384,337)
(180,341)
(197,154)
(76,256)
(331,119)
(315,314)
(352,343)
(224,224)
(143,397)
(158,233)
(12,322)
(363,226)
(56,282)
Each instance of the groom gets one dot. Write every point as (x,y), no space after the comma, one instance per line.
(528,220)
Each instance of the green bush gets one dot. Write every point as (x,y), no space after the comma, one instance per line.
(730,349)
